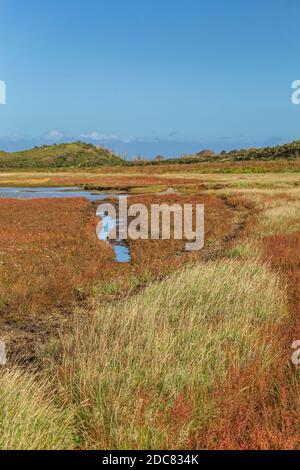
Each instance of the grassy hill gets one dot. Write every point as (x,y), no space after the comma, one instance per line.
(71,155)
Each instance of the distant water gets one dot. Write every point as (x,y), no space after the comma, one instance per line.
(121,250)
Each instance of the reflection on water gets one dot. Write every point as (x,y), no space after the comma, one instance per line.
(40,193)
(121,250)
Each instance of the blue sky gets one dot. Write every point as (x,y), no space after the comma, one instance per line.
(149,76)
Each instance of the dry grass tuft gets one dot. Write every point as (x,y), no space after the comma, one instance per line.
(141,372)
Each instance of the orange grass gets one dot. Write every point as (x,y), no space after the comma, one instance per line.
(48,250)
